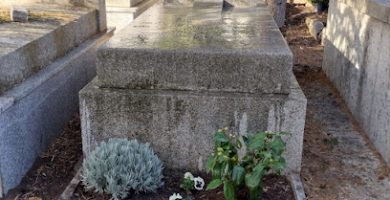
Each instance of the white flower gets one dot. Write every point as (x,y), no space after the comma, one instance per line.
(198,183)
(188,175)
(175,196)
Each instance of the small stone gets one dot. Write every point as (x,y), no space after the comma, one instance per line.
(19,15)
(315,27)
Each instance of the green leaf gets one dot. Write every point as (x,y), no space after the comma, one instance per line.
(210,163)
(221,137)
(256,141)
(238,174)
(255,194)
(278,166)
(187,184)
(253,179)
(214,184)
(278,145)
(217,171)
(228,190)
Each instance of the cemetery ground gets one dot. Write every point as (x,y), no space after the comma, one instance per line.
(339,162)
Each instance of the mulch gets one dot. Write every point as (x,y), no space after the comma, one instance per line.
(274,188)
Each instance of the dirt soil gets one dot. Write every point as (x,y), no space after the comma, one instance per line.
(275,188)
(338,160)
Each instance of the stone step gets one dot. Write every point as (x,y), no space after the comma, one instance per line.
(238,50)
(26,48)
(180,124)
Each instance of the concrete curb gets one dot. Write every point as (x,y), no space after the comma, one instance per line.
(297,187)
(69,190)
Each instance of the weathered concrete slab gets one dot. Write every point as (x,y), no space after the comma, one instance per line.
(277,7)
(198,49)
(123,3)
(278,10)
(179,124)
(379,9)
(120,17)
(357,61)
(53,31)
(34,112)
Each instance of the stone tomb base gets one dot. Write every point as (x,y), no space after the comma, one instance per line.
(176,75)
(180,124)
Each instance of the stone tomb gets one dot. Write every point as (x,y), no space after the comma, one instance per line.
(357,61)
(43,65)
(176,75)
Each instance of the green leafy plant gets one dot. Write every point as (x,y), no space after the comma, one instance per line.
(240,161)
(323,2)
(316,1)
(187,183)
(120,165)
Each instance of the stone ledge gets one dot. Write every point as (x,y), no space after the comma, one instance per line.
(193,49)
(379,9)
(26,48)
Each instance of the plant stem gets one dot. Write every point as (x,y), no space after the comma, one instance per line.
(255,194)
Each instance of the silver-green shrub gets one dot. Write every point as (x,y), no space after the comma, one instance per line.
(118,166)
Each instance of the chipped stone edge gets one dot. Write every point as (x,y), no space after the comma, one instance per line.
(69,190)
(1,186)
(297,186)
(67,194)
(5,103)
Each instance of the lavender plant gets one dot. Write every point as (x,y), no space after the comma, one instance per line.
(118,166)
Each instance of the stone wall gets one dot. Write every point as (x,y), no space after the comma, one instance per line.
(357,60)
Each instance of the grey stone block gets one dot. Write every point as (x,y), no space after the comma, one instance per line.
(123,3)
(315,27)
(180,124)
(357,61)
(34,112)
(278,10)
(24,53)
(379,9)
(19,14)
(198,49)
